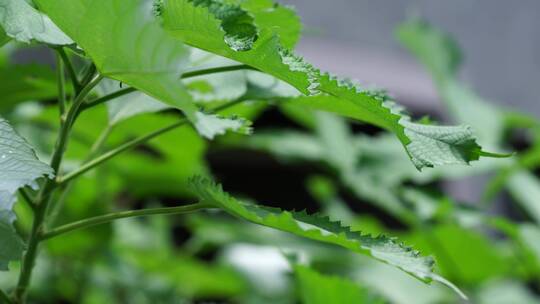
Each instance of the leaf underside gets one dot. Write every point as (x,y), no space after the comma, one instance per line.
(19,167)
(317,227)
(126,42)
(24,23)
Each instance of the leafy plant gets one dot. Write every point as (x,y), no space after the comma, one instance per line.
(151,82)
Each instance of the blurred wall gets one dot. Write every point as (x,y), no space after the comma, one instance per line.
(500,41)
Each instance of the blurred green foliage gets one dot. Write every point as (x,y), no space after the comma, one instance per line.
(365,181)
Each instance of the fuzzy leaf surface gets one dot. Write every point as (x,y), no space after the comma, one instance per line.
(201,27)
(19,167)
(317,227)
(24,23)
(12,244)
(126,43)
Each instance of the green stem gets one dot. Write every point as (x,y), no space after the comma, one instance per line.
(108,97)
(131,144)
(61,83)
(44,196)
(4,298)
(186,75)
(88,76)
(102,219)
(71,71)
(112,153)
(99,143)
(217,70)
(66,188)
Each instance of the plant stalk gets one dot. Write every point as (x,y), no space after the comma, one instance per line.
(186,75)
(61,83)
(103,219)
(44,196)
(71,71)
(131,144)
(4,298)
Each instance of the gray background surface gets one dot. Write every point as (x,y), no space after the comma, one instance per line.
(500,41)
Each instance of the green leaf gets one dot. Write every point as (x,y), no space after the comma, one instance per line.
(18,164)
(316,288)
(218,125)
(137,103)
(397,287)
(435,145)
(238,25)
(426,145)
(12,245)
(198,26)
(19,167)
(270,56)
(320,228)
(24,23)
(214,87)
(126,43)
(184,274)
(463,254)
(283,20)
(124,107)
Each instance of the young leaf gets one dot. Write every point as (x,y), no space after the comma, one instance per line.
(24,23)
(318,228)
(127,44)
(201,27)
(19,167)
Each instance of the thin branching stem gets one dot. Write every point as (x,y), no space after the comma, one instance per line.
(103,219)
(131,144)
(66,188)
(4,298)
(44,196)
(89,74)
(186,75)
(70,69)
(108,97)
(61,82)
(222,69)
